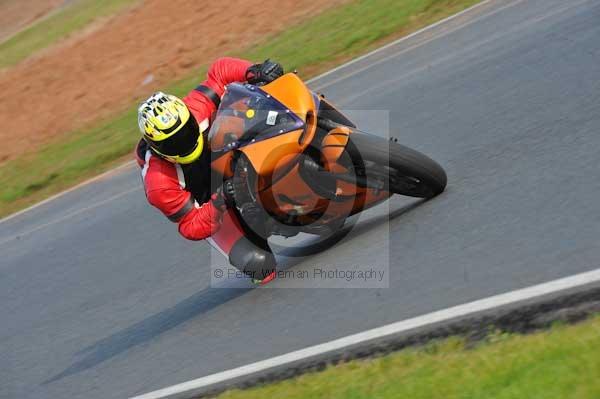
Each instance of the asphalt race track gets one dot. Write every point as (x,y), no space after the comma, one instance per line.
(102,299)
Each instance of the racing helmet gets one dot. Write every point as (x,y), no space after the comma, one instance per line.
(170,129)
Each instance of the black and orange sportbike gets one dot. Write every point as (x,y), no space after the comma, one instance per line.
(307,167)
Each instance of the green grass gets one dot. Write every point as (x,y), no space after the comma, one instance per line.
(311,47)
(56,26)
(563,362)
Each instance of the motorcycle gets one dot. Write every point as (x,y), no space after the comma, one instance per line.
(294,155)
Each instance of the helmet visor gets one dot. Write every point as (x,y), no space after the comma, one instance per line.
(182,143)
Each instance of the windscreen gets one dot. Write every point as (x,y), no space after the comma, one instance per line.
(247,115)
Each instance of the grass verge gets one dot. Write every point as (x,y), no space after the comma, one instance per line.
(56,26)
(563,362)
(311,47)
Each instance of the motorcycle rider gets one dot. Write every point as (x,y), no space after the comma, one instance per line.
(175,158)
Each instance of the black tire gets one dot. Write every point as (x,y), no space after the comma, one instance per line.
(404,170)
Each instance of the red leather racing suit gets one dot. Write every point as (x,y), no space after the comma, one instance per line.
(164,182)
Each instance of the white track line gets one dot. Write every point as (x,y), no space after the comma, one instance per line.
(56,196)
(445,315)
(400,40)
(71,214)
(310,81)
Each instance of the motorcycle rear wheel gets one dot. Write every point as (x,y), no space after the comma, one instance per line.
(402,170)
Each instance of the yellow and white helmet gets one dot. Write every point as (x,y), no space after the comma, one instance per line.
(170,129)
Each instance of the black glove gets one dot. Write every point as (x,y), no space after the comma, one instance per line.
(266,72)
(224,195)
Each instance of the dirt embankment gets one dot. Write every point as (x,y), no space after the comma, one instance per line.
(90,76)
(18,14)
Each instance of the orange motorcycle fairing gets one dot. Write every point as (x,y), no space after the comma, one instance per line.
(271,158)
(291,91)
(332,148)
(298,169)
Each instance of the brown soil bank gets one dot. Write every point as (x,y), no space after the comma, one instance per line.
(17,14)
(101,71)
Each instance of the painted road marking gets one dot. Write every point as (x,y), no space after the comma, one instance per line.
(76,187)
(193,387)
(380,86)
(69,215)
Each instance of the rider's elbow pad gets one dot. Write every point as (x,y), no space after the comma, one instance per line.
(200,223)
